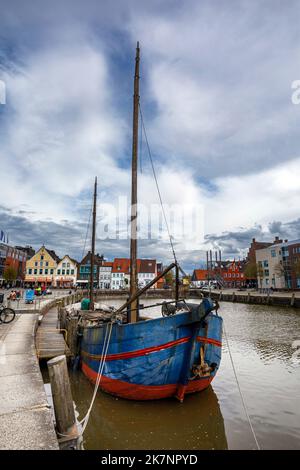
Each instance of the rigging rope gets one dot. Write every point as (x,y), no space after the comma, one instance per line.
(240,391)
(87,229)
(156,182)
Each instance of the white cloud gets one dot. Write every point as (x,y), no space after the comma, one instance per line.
(63,129)
(216,89)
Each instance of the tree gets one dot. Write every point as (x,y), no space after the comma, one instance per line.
(10,274)
(169,278)
(250,270)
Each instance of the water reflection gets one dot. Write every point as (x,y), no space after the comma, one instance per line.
(163,424)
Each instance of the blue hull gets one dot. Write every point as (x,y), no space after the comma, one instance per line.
(159,358)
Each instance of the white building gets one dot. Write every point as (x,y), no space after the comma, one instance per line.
(66,272)
(147,271)
(120,274)
(270,272)
(105,275)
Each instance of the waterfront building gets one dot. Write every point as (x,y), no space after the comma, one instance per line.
(66,272)
(255,245)
(233,275)
(12,262)
(41,267)
(147,271)
(11,257)
(30,252)
(199,277)
(84,270)
(120,274)
(105,275)
(278,266)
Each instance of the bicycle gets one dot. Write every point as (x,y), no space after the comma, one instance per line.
(7,314)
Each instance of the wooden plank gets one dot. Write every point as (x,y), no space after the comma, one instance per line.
(50,340)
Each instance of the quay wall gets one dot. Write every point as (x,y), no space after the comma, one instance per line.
(258,299)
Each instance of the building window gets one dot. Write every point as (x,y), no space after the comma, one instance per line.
(36,263)
(51,271)
(273,253)
(46,271)
(47,263)
(266,264)
(298,282)
(72,271)
(35,271)
(266,272)
(267,282)
(64,265)
(41,271)
(68,271)
(63,271)
(58,271)
(29,271)
(42,256)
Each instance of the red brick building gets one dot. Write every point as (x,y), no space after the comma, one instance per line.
(16,259)
(233,275)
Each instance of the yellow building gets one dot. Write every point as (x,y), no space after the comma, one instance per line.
(41,268)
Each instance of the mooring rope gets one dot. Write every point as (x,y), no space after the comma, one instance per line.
(85,420)
(240,390)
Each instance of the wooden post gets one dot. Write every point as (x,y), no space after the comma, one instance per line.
(62,398)
(72,335)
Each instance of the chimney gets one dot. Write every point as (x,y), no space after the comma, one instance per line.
(253,240)
(285,241)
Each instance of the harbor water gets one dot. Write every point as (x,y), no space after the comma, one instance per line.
(263,344)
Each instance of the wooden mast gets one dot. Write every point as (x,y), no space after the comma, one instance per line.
(133,240)
(91,307)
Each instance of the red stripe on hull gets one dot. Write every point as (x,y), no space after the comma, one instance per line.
(203,339)
(145,392)
(152,349)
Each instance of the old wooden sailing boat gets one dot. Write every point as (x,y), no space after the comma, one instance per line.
(141,359)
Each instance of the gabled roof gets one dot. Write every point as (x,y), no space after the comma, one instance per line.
(53,255)
(98,259)
(71,259)
(108,264)
(121,265)
(147,266)
(200,275)
(50,252)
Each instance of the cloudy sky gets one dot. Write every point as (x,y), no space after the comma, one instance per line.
(216,94)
